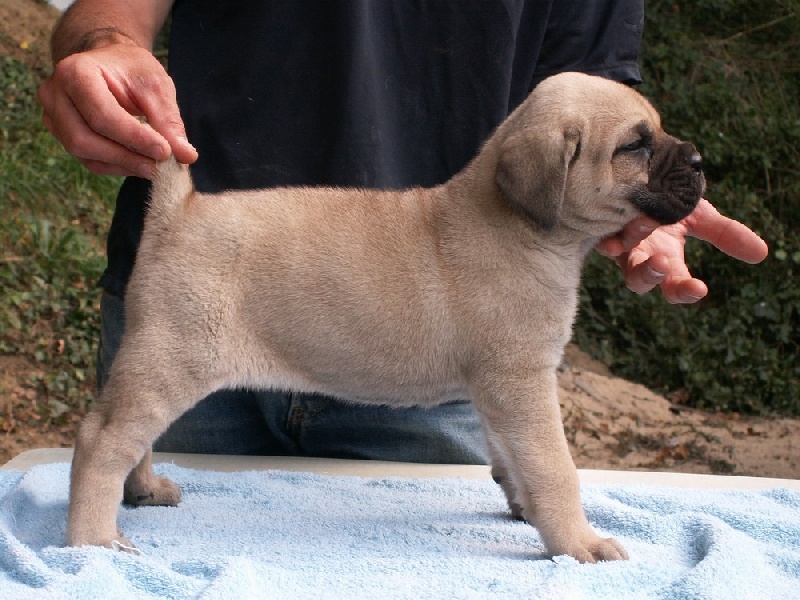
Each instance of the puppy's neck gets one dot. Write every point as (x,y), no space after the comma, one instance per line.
(477,198)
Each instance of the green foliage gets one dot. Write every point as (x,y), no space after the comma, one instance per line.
(52,213)
(724,74)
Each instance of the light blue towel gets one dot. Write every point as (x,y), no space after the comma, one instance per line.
(273,534)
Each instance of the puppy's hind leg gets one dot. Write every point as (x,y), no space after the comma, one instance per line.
(144,394)
(501,472)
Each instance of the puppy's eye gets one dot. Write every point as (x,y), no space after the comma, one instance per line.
(635,146)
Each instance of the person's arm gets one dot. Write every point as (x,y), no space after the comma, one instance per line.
(105,78)
(90,24)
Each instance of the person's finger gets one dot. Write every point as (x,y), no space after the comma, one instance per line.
(91,148)
(103,114)
(183,150)
(610,247)
(660,259)
(726,234)
(636,231)
(144,171)
(683,289)
(643,274)
(633,233)
(163,115)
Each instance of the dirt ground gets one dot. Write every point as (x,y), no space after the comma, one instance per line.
(610,423)
(25,27)
(615,424)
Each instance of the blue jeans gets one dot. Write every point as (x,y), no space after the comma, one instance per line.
(276,423)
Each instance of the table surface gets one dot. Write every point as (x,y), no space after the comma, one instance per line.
(370,468)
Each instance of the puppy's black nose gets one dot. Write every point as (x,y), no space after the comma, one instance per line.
(696,162)
(692,157)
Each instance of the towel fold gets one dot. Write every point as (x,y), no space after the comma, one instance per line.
(274,534)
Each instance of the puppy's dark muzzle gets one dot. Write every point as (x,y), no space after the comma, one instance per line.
(675,186)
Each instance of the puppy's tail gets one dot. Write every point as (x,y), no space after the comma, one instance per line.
(172,187)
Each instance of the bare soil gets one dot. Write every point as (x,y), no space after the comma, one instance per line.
(24,422)
(610,423)
(25,27)
(615,424)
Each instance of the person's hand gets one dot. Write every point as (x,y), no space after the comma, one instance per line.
(93,104)
(651,255)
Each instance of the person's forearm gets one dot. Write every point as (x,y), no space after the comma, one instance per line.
(89,24)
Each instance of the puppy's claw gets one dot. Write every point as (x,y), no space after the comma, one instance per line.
(124,545)
(588,548)
(608,549)
(601,550)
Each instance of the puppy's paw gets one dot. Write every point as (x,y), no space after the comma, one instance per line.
(606,549)
(597,549)
(155,491)
(116,541)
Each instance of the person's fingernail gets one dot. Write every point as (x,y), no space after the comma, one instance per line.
(186,143)
(655,274)
(646,229)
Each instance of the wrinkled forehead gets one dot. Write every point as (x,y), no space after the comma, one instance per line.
(619,102)
(624,115)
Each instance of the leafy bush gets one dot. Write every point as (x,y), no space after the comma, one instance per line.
(724,74)
(52,255)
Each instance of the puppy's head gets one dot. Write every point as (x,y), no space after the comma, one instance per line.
(589,154)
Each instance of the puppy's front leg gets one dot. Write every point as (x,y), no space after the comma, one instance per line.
(525,432)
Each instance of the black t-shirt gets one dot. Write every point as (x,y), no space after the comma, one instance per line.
(363,93)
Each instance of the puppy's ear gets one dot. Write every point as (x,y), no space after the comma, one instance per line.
(532,169)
